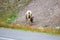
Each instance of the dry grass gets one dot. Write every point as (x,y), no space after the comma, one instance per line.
(30,28)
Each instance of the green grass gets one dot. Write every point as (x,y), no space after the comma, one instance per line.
(8,16)
(10,19)
(9,13)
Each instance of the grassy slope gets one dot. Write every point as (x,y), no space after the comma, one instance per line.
(9,13)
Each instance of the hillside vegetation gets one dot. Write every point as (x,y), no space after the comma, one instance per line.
(9,9)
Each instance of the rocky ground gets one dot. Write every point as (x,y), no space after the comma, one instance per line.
(45,12)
